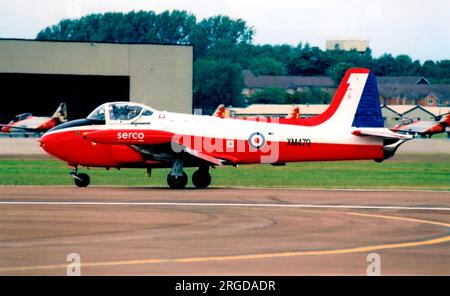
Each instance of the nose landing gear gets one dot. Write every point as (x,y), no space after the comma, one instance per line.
(80,179)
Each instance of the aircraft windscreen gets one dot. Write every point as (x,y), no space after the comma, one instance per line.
(123,111)
(21,117)
(147,112)
(98,114)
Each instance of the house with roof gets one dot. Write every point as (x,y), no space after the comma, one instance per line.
(433,95)
(412,90)
(400,80)
(393,90)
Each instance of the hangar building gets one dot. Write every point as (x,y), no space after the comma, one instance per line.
(35,76)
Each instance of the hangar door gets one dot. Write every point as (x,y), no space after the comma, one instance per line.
(41,94)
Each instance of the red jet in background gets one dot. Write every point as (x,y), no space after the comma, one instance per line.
(130,135)
(26,122)
(421,127)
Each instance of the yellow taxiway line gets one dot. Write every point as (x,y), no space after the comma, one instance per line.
(361,249)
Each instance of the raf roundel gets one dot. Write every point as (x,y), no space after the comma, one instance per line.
(256,140)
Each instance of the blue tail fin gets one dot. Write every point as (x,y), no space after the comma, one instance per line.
(368,113)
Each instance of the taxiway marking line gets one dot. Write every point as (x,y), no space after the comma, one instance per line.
(249,188)
(361,249)
(194,204)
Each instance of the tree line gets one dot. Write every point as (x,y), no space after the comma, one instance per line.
(223,47)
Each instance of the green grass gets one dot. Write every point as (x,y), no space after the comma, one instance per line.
(425,172)
(440,136)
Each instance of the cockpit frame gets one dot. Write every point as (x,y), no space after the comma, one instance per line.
(121,113)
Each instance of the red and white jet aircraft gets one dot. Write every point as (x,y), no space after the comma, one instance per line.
(130,135)
(26,122)
(423,128)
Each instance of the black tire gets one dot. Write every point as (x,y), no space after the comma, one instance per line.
(177,182)
(201,179)
(82,180)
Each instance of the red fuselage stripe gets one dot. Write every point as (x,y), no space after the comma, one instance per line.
(71,147)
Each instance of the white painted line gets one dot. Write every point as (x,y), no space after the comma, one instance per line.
(193,204)
(215,187)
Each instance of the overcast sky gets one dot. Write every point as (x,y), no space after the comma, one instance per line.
(418,28)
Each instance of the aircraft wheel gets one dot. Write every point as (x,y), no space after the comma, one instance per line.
(201,178)
(81,180)
(177,182)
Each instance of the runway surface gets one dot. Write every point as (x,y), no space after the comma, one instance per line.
(118,230)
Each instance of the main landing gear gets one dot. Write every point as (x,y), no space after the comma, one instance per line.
(201,178)
(80,179)
(177,178)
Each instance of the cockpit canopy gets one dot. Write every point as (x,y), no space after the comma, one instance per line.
(21,117)
(121,112)
(407,121)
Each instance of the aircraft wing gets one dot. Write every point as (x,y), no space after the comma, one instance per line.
(149,142)
(418,127)
(208,158)
(24,128)
(384,134)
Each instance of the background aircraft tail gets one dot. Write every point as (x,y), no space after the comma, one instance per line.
(445,119)
(61,112)
(295,113)
(220,111)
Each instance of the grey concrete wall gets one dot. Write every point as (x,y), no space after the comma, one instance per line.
(160,75)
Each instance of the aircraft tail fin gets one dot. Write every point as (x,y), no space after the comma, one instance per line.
(295,113)
(220,111)
(61,112)
(356,102)
(445,119)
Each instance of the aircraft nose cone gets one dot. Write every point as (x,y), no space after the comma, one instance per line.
(43,141)
(48,144)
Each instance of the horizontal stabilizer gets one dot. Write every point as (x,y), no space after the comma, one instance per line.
(380,133)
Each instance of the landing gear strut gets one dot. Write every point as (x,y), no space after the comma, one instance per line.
(177,178)
(80,179)
(201,178)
